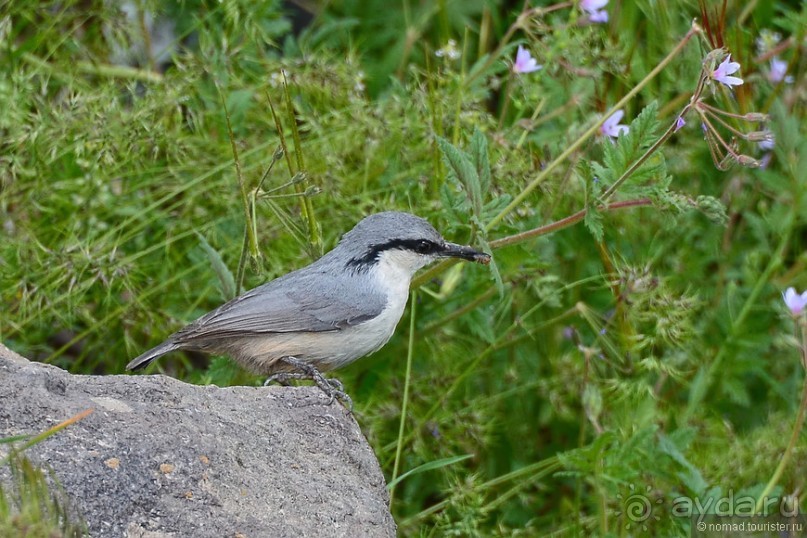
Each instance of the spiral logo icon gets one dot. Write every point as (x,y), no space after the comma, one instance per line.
(637,508)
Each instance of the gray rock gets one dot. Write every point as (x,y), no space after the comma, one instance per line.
(158,457)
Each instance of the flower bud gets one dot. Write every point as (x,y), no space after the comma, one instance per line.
(759,136)
(756,116)
(745,160)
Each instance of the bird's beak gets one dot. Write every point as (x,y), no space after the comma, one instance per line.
(452,250)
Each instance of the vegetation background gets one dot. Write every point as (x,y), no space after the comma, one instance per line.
(632,353)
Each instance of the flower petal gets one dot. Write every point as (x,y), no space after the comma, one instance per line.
(598,16)
(731,81)
(615,118)
(525,63)
(795,302)
(592,5)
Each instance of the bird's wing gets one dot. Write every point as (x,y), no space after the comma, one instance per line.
(303,301)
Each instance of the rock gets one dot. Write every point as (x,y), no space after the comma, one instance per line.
(160,458)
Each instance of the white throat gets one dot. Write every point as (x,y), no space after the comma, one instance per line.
(392,273)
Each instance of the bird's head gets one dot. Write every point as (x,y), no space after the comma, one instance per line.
(400,239)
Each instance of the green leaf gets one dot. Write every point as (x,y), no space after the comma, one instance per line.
(14,439)
(593,222)
(430,466)
(712,208)
(653,171)
(697,391)
(222,371)
(592,402)
(454,201)
(495,206)
(226,279)
(621,154)
(605,175)
(461,167)
(588,457)
(690,475)
(479,153)
(642,132)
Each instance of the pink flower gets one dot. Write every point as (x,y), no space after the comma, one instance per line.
(726,68)
(594,10)
(525,63)
(794,301)
(778,72)
(611,126)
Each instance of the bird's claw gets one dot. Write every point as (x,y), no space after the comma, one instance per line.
(335,384)
(333,388)
(282,378)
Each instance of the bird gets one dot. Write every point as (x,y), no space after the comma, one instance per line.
(342,307)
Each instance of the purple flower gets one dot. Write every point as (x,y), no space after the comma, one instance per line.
(778,72)
(611,126)
(679,123)
(525,63)
(594,10)
(767,144)
(794,301)
(726,68)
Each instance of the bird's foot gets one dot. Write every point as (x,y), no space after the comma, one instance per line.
(332,387)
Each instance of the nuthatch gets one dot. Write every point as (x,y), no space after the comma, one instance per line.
(321,317)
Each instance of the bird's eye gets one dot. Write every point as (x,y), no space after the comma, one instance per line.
(423,247)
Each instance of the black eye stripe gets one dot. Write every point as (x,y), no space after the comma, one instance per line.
(421,246)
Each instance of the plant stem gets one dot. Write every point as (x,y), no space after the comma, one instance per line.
(306,207)
(529,234)
(564,223)
(405,403)
(250,230)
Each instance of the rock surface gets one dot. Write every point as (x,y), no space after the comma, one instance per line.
(160,458)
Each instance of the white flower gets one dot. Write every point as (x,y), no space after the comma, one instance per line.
(450,51)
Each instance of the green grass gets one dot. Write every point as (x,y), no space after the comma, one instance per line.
(31,503)
(641,345)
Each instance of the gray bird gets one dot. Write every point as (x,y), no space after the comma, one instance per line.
(342,307)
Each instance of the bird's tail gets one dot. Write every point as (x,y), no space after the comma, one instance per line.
(154,353)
